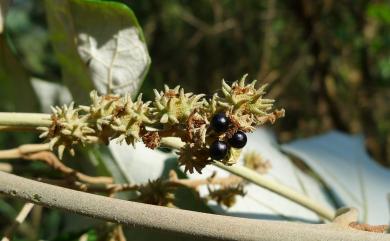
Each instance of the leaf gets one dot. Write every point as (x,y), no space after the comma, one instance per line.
(344,165)
(261,203)
(16,92)
(74,70)
(50,94)
(99,42)
(139,164)
(103,159)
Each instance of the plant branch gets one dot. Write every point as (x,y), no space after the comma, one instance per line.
(23,120)
(195,183)
(23,150)
(278,188)
(176,143)
(40,152)
(261,181)
(186,224)
(6,167)
(18,220)
(112,188)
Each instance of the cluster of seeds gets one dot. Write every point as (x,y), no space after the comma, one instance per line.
(219,149)
(212,129)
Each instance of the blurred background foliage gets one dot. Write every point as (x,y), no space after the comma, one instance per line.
(326,62)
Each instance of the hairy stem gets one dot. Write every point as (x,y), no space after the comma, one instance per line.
(23,120)
(181,223)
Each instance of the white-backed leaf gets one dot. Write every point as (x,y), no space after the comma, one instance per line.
(139,164)
(50,94)
(99,44)
(263,204)
(343,163)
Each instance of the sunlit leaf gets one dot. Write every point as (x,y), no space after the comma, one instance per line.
(343,163)
(50,94)
(98,44)
(139,164)
(263,204)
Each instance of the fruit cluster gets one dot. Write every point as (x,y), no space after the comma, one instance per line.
(219,148)
(211,129)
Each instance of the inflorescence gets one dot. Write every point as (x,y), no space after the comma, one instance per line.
(211,128)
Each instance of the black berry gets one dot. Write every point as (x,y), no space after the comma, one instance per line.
(220,122)
(238,140)
(218,150)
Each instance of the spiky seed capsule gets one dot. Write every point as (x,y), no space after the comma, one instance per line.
(181,114)
(218,150)
(220,123)
(238,140)
(173,106)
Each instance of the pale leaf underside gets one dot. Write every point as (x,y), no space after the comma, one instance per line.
(117,66)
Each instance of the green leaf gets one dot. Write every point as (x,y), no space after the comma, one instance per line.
(100,43)
(16,92)
(74,71)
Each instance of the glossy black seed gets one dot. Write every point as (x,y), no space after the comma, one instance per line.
(218,150)
(238,140)
(220,122)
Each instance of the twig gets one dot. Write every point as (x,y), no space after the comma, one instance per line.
(195,183)
(262,181)
(241,171)
(18,220)
(23,150)
(39,152)
(55,163)
(369,228)
(124,187)
(187,224)
(278,188)
(6,167)
(95,184)
(24,120)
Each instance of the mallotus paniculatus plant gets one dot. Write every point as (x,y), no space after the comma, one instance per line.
(239,109)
